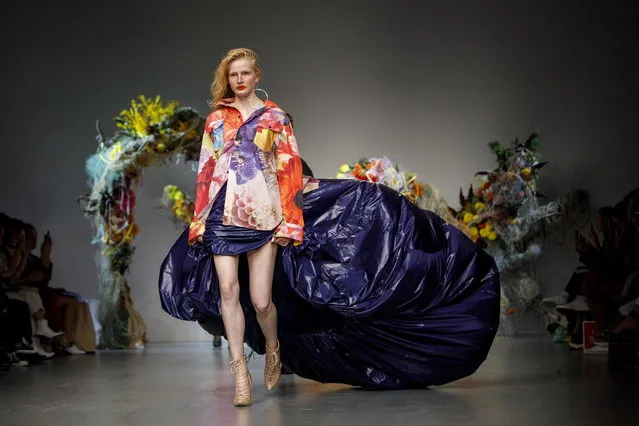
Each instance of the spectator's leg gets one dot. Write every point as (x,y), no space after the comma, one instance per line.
(85,335)
(20,317)
(576,283)
(71,308)
(54,307)
(33,299)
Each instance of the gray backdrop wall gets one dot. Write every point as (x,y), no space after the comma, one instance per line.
(426,83)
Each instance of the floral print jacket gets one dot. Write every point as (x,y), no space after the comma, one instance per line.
(259,160)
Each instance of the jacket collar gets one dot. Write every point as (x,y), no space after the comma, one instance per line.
(229,101)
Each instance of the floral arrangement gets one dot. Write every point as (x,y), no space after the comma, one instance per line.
(503,214)
(382,170)
(476,226)
(149,132)
(180,204)
(490,210)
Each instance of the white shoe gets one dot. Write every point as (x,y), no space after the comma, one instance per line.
(597,350)
(560,299)
(40,350)
(43,329)
(579,304)
(74,350)
(26,350)
(558,318)
(17,362)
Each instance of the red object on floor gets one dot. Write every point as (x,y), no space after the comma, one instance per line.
(590,332)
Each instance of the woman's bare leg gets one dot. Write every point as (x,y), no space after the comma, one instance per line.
(261,266)
(233,318)
(232,315)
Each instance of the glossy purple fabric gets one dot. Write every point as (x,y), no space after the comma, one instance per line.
(381,294)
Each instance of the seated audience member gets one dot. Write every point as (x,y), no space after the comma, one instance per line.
(598,256)
(603,283)
(611,288)
(628,320)
(65,310)
(606,263)
(15,321)
(13,259)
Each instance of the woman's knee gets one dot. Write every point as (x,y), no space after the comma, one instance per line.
(261,304)
(230,290)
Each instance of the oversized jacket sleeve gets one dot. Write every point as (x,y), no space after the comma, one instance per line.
(205,171)
(290,180)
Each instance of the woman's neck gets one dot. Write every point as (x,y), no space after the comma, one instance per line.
(249,103)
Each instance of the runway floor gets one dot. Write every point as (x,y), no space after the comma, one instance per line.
(525,381)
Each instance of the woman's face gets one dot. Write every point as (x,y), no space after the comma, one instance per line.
(242,77)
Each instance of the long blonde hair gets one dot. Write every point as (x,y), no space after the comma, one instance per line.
(220,88)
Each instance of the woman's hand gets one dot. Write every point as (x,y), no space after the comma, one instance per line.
(45,248)
(22,247)
(282,241)
(594,238)
(581,244)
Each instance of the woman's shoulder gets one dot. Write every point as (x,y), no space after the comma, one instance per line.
(211,119)
(275,113)
(215,115)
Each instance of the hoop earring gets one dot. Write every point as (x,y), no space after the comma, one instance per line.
(257,89)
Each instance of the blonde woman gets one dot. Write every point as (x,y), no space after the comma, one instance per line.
(249,200)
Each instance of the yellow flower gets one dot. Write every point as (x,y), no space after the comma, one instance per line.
(475,218)
(340,176)
(170,190)
(473,231)
(468,217)
(116,150)
(488,227)
(181,126)
(178,196)
(344,168)
(161,147)
(143,114)
(526,173)
(479,206)
(492,236)
(483,232)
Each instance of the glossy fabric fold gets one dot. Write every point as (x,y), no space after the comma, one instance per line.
(380,294)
